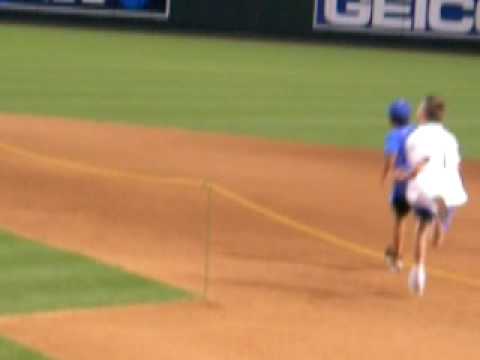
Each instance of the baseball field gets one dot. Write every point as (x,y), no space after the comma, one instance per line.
(189,197)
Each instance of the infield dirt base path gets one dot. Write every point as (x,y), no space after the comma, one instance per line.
(274,293)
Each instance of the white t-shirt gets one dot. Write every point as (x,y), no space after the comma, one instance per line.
(441,175)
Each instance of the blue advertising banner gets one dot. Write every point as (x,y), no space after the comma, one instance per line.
(150,9)
(432,18)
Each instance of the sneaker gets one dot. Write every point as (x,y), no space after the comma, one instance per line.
(417,280)
(393,260)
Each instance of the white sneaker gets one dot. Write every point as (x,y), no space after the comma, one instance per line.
(417,280)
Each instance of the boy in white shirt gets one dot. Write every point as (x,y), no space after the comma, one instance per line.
(435,185)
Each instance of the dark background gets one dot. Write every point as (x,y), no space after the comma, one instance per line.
(278,19)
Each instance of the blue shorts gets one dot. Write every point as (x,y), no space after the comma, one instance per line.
(424,214)
(399,202)
(400,206)
(427,215)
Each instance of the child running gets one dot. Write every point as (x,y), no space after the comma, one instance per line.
(396,163)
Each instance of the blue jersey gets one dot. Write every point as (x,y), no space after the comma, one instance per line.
(395,145)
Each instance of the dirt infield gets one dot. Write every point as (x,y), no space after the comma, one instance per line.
(274,292)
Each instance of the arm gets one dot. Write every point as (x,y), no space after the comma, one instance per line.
(462,175)
(402,176)
(418,157)
(458,159)
(390,150)
(388,166)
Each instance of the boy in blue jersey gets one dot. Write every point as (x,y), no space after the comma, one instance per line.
(396,162)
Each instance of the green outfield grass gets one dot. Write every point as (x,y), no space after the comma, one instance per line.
(12,351)
(36,278)
(301,92)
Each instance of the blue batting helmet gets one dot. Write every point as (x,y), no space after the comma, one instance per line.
(400,112)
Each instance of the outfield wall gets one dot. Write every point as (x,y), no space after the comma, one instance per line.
(293,17)
(436,19)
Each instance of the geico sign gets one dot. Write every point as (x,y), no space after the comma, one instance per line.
(446,16)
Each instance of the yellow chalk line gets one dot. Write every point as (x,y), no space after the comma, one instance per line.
(289,222)
(105,172)
(235,198)
(330,238)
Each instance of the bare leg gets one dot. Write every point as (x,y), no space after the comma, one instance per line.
(418,276)
(423,232)
(393,253)
(438,234)
(398,235)
(442,209)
